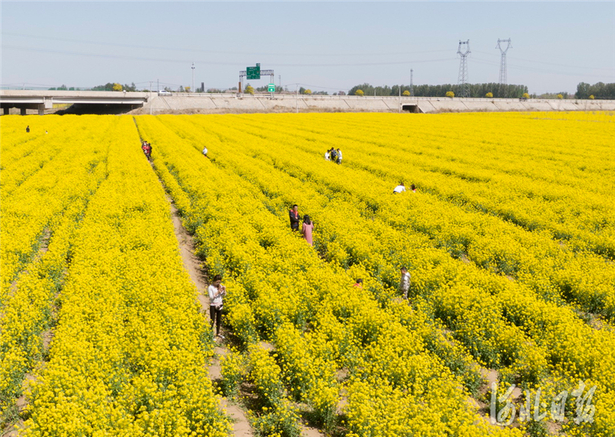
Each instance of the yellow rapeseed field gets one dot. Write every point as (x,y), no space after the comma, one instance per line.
(509,240)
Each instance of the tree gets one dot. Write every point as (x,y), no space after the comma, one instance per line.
(249,89)
(406,93)
(591,97)
(308,91)
(489,95)
(450,94)
(526,96)
(560,96)
(117,87)
(599,90)
(359,93)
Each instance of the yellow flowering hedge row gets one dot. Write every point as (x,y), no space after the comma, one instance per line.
(34,166)
(34,187)
(277,279)
(128,355)
(518,325)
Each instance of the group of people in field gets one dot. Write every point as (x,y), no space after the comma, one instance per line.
(401,188)
(334,155)
(306,228)
(147,149)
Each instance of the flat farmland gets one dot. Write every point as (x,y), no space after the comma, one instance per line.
(509,238)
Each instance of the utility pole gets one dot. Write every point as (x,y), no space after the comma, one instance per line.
(297,100)
(411,87)
(463,68)
(503,78)
(192,89)
(150,97)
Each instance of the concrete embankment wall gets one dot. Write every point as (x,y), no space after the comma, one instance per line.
(225,103)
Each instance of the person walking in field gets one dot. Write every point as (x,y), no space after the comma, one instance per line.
(294,218)
(358,284)
(28,129)
(400,188)
(413,188)
(328,155)
(333,155)
(404,283)
(204,152)
(216,292)
(307,229)
(339,156)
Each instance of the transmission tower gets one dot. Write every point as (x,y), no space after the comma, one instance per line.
(411,87)
(463,68)
(503,79)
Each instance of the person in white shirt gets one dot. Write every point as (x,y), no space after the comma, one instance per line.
(216,291)
(205,152)
(404,283)
(339,156)
(327,156)
(400,188)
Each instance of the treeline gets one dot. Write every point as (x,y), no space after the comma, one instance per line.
(475,90)
(110,87)
(599,90)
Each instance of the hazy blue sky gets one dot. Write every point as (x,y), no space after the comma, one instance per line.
(321,45)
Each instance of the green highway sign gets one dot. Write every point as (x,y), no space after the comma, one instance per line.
(271,88)
(253,72)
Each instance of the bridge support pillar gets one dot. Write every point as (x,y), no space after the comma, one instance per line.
(22,111)
(6,110)
(41,109)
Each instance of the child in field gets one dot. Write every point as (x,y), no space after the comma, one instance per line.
(404,283)
(216,292)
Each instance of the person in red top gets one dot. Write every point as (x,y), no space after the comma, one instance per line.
(294,218)
(359,283)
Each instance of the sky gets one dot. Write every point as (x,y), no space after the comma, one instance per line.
(328,46)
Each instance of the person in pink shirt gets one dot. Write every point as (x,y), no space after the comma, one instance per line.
(307,229)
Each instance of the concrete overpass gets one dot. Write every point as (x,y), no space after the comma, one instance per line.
(205,103)
(41,100)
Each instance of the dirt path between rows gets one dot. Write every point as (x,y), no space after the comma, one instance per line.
(241,425)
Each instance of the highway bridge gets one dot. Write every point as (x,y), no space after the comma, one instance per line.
(95,101)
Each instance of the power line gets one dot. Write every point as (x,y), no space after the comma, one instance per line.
(234,64)
(549,63)
(225,52)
